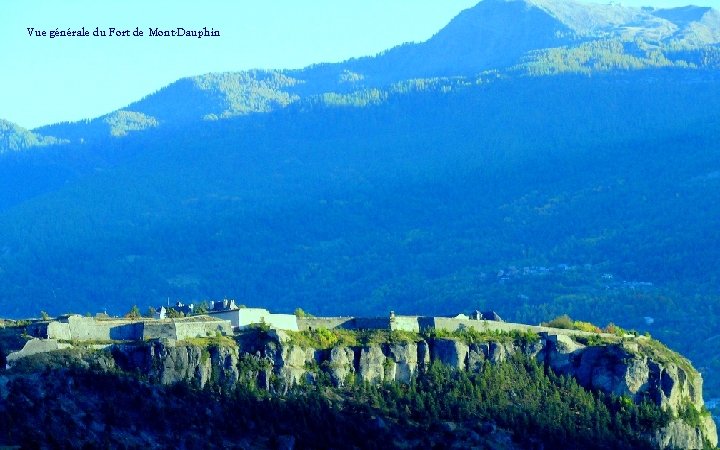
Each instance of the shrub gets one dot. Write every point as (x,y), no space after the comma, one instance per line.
(564,322)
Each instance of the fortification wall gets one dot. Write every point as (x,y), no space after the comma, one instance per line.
(244,317)
(282,321)
(232,315)
(38,329)
(58,330)
(193,329)
(405,323)
(372,323)
(248,316)
(89,329)
(449,324)
(164,329)
(329,323)
(127,332)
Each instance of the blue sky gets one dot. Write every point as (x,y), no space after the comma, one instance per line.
(47,80)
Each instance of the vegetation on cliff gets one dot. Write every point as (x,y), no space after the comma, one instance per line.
(236,392)
(81,399)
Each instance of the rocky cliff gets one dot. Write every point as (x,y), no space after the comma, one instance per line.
(636,369)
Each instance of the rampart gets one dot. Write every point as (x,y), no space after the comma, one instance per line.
(189,328)
(407,323)
(244,317)
(314,323)
(345,323)
(420,323)
(91,329)
(451,324)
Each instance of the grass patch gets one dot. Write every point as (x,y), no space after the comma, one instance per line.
(86,343)
(593,340)
(210,341)
(658,352)
(473,336)
(322,338)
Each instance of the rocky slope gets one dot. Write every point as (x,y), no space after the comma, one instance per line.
(635,368)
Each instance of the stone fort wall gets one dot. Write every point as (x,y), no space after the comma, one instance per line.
(90,329)
(420,323)
(345,323)
(185,329)
(314,323)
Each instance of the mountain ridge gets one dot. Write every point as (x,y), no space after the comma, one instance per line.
(495,35)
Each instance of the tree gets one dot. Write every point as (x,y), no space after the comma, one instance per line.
(151,312)
(134,313)
(173,313)
(202,308)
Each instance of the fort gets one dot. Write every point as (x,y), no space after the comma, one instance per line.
(225,318)
(275,357)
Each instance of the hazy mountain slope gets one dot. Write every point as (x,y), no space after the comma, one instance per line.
(15,138)
(247,207)
(540,37)
(492,35)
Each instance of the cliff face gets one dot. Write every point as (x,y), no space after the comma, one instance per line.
(624,368)
(636,368)
(167,363)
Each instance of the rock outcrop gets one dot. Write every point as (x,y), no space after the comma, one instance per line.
(166,362)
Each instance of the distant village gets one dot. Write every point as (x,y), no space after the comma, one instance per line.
(609,280)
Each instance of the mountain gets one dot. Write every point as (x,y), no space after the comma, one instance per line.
(14,138)
(510,37)
(533,157)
